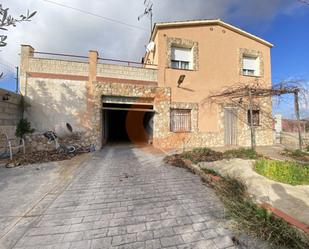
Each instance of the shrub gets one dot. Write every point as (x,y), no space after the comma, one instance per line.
(202,155)
(243,153)
(286,172)
(296,154)
(23,128)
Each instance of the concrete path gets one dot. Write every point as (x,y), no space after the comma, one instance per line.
(26,189)
(125,197)
(293,200)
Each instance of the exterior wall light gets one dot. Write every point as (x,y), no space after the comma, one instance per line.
(181,79)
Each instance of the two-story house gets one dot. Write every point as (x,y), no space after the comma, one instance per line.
(166,99)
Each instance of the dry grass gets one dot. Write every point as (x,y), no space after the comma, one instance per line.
(42,157)
(257,221)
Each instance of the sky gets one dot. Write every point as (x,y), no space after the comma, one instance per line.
(285,23)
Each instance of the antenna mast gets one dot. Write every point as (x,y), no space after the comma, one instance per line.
(147,12)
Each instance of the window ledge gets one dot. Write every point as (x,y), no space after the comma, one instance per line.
(179,69)
(181,131)
(252,76)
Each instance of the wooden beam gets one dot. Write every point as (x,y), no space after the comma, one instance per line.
(296,106)
(128,109)
(252,129)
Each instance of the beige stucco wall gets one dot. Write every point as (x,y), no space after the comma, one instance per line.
(54,102)
(218,66)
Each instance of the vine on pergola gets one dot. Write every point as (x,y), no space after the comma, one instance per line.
(238,93)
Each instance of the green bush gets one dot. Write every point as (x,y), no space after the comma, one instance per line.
(23,128)
(286,172)
(243,153)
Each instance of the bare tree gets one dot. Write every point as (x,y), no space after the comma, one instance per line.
(248,96)
(6,21)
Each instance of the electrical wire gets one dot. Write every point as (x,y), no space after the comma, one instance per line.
(95,15)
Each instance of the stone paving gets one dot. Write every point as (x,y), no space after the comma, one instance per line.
(125,197)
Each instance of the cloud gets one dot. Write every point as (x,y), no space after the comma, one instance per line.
(57,29)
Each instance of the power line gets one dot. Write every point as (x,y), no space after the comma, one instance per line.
(7,69)
(93,14)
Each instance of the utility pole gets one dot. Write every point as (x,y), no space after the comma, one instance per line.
(296,107)
(17,80)
(252,129)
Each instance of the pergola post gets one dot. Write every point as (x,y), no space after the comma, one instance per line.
(253,142)
(296,107)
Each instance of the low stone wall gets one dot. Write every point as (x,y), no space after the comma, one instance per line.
(290,139)
(126,72)
(38,142)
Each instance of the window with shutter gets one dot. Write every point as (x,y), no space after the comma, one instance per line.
(181,58)
(180,120)
(256,117)
(251,66)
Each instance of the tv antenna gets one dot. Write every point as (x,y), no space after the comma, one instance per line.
(147,12)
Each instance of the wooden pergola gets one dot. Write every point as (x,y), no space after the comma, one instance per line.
(251,91)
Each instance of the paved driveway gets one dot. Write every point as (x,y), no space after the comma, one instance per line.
(125,197)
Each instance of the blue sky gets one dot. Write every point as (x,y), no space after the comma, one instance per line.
(285,23)
(290,55)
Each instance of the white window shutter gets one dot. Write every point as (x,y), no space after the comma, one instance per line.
(181,54)
(250,63)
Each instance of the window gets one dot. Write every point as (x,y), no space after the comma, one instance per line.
(181,58)
(251,66)
(256,117)
(180,120)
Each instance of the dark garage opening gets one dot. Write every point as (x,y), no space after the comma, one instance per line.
(127,123)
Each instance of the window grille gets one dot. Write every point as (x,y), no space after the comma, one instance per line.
(180,120)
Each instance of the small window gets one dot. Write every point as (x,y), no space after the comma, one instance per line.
(251,66)
(180,120)
(256,117)
(181,58)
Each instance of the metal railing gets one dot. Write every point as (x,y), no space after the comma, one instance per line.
(83,58)
(126,63)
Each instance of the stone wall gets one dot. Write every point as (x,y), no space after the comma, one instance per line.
(291,139)
(264,131)
(126,72)
(56,66)
(38,142)
(160,95)
(9,112)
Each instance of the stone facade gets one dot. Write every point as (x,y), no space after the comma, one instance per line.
(60,91)
(38,142)
(126,72)
(161,106)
